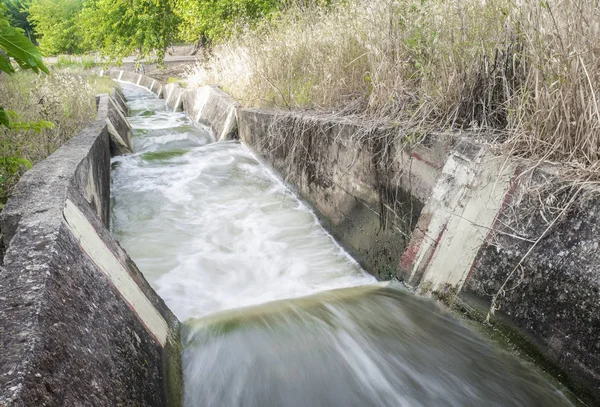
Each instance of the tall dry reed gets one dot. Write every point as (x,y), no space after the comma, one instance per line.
(529,70)
(63,101)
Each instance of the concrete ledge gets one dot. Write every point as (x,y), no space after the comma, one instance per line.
(211,106)
(446,216)
(79,324)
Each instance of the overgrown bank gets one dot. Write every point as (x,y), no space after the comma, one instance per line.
(526,73)
(46,111)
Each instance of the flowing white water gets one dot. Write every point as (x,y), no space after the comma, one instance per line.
(213,229)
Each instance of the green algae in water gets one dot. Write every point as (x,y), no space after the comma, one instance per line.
(162,155)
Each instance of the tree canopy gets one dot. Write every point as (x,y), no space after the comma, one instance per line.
(217,19)
(122,27)
(119,28)
(55,22)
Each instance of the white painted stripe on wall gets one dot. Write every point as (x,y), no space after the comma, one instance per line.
(476,201)
(115,271)
(201,100)
(229,122)
(177,102)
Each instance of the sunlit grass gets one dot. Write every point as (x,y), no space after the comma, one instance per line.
(78,62)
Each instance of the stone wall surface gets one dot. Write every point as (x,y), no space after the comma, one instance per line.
(212,107)
(79,324)
(450,218)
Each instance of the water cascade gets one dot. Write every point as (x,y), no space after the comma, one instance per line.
(275,313)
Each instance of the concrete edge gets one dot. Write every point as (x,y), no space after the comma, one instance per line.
(207,105)
(58,246)
(455,195)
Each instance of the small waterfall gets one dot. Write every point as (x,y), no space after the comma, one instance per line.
(275,313)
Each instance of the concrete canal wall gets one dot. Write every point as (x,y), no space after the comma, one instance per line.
(444,214)
(79,324)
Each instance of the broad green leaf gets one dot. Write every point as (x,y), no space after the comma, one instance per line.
(17,46)
(5,65)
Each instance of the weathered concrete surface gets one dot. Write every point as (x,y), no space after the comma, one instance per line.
(173,92)
(114,110)
(367,183)
(541,262)
(211,106)
(459,213)
(119,99)
(73,331)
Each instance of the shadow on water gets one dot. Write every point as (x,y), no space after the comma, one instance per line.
(275,312)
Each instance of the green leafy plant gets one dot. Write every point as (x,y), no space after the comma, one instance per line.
(14,44)
(11,165)
(210,21)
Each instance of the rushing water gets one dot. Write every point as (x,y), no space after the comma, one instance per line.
(275,313)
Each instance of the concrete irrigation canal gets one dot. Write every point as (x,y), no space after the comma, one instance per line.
(273,311)
(228,256)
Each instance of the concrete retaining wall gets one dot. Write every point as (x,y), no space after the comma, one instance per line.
(79,324)
(208,105)
(449,218)
(357,177)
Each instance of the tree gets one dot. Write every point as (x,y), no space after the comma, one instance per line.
(17,13)
(216,19)
(123,27)
(55,23)
(14,44)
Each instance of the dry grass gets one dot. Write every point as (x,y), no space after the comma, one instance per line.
(529,70)
(64,98)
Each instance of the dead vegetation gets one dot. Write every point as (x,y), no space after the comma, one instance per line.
(527,71)
(46,111)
